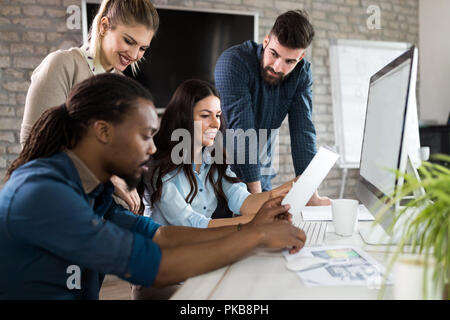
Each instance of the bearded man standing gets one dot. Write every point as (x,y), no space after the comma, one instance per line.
(261,84)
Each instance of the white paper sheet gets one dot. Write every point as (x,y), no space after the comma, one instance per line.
(323,213)
(310,180)
(347,266)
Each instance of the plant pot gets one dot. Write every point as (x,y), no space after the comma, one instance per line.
(408,279)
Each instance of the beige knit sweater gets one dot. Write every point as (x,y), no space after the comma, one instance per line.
(51,82)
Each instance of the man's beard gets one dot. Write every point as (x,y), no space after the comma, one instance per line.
(270,80)
(132,181)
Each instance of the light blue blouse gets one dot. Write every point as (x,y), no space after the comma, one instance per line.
(172,208)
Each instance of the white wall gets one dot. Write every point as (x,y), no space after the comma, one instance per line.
(434,60)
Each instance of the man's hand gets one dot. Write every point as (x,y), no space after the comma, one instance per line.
(317,200)
(131,198)
(281,235)
(271,211)
(274,221)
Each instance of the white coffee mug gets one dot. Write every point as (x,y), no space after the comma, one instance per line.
(345,216)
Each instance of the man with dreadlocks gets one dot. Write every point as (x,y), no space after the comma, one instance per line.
(60,231)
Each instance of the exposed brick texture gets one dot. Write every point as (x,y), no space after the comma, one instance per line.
(30,29)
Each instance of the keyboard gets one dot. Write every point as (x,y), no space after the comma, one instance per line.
(315,232)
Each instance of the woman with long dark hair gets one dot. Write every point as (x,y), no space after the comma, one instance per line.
(202,193)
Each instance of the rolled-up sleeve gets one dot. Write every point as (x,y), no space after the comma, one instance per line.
(174,208)
(236,193)
(128,220)
(70,229)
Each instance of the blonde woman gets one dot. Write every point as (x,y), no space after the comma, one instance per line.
(121,33)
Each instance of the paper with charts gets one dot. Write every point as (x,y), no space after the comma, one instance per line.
(347,266)
(310,180)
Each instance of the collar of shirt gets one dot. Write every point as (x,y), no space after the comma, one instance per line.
(88,179)
(259,51)
(206,161)
(96,68)
(94,189)
(202,168)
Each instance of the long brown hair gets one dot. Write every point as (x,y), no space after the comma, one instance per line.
(179,115)
(106,97)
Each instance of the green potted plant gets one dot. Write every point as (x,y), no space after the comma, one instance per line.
(426,233)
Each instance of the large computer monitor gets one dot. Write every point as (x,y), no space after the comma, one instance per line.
(390,141)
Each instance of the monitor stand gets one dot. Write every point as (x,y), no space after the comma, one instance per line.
(375,235)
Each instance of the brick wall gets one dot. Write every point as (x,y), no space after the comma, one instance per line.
(30,29)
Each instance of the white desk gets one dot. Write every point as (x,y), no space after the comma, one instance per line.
(263,275)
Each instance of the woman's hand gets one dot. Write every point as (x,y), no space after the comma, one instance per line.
(131,198)
(282,190)
(315,200)
(256,200)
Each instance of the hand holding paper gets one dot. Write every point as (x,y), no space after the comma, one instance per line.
(310,180)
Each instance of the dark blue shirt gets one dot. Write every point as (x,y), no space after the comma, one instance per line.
(49,227)
(248,102)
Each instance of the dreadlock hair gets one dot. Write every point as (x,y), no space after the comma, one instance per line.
(107,97)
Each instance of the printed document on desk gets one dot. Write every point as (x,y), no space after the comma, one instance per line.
(323,213)
(310,180)
(347,266)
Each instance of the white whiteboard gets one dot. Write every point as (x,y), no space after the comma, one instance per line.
(352,63)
